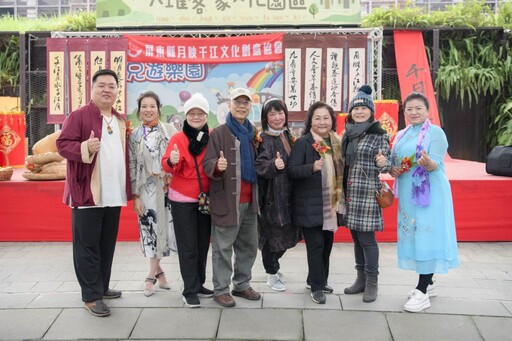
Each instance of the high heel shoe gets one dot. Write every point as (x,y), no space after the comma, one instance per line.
(162,281)
(149,286)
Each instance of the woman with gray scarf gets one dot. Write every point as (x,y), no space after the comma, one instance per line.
(365,149)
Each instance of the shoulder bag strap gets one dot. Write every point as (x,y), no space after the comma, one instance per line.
(198,176)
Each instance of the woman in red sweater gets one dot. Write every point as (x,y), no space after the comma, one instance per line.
(184,160)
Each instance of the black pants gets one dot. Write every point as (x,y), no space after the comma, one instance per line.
(366,251)
(271,259)
(192,230)
(318,247)
(94,241)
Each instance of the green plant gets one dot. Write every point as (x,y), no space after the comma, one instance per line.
(80,21)
(10,61)
(505,135)
(467,14)
(473,64)
(409,16)
(504,15)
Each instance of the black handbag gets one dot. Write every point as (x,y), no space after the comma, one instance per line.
(499,161)
(203,198)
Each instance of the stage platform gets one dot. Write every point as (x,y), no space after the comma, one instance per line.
(33,210)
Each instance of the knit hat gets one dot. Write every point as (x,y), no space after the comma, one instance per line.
(235,93)
(196,101)
(363,98)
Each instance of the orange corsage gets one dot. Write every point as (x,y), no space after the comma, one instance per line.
(322,148)
(407,163)
(129,129)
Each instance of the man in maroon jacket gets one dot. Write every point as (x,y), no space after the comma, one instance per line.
(93,140)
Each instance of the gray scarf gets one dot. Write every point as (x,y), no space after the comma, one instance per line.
(351,138)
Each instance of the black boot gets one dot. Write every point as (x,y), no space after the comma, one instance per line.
(358,285)
(371,288)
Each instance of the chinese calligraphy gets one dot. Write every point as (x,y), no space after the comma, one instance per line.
(293,79)
(333,89)
(312,76)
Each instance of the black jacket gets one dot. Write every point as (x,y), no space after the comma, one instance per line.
(307,186)
(274,187)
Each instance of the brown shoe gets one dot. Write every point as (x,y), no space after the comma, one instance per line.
(225,300)
(248,294)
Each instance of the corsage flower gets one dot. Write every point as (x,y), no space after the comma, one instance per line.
(129,128)
(257,137)
(322,148)
(407,163)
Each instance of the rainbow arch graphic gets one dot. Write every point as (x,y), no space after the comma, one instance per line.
(264,79)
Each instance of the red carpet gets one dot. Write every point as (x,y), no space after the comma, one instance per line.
(33,211)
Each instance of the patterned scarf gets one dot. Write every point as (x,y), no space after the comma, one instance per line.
(332,178)
(420,177)
(244,133)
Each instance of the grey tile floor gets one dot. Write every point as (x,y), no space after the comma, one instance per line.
(40,299)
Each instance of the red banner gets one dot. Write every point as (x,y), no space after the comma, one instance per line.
(161,50)
(413,69)
(386,111)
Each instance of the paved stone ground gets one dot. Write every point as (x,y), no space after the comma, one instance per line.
(40,299)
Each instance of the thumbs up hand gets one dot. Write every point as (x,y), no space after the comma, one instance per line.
(93,143)
(175,155)
(380,160)
(279,162)
(222,163)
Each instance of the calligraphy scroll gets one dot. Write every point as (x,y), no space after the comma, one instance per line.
(357,70)
(78,88)
(293,79)
(118,65)
(312,76)
(56,84)
(97,61)
(71,65)
(334,80)
(326,68)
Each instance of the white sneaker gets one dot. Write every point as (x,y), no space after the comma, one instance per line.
(431,291)
(275,282)
(417,302)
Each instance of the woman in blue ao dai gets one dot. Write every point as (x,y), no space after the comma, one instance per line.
(427,240)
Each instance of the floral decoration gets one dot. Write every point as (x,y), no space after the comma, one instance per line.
(322,148)
(257,137)
(129,128)
(407,163)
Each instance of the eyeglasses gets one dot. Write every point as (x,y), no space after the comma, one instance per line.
(241,103)
(196,114)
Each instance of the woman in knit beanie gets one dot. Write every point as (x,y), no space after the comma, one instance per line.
(184,160)
(365,149)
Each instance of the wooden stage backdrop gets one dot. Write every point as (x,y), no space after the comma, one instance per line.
(33,211)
